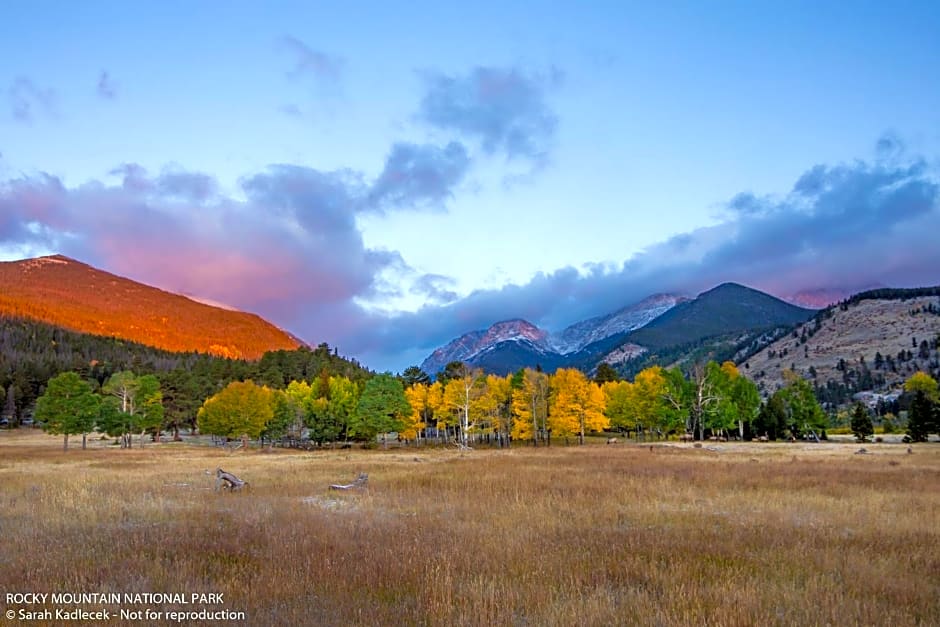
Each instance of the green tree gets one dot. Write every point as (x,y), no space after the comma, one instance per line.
(381,408)
(771,420)
(862,427)
(140,403)
(242,408)
(181,400)
(329,414)
(678,399)
(920,417)
(282,419)
(413,375)
(605,373)
(68,407)
(803,410)
(453,370)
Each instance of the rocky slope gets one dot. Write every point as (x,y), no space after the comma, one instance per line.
(580,334)
(865,343)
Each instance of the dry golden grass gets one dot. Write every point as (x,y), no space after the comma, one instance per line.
(771,534)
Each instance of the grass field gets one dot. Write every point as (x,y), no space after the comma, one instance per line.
(772,534)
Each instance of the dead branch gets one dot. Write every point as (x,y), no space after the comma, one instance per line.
(228,481)
(359,483)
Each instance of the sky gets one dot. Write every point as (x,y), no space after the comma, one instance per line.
(384,177)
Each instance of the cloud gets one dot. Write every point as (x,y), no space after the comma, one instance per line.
(505,109)
(29,100)
(188,186)
(845,226)
(310,63)
(290,248)
(106,87)
(436,288)
(419,175)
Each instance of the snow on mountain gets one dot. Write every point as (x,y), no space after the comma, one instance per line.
(476,343)
(580,334)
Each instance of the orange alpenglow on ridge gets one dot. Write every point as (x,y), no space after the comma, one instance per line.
(67,293)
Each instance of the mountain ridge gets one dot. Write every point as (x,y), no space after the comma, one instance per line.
(656,323)
(74,295)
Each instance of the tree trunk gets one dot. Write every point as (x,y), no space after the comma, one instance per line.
(84,438)
(65,443)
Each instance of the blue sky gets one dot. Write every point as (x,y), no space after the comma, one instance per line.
(384,178)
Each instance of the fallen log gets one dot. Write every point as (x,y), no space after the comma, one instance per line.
(228,481)
(359,483)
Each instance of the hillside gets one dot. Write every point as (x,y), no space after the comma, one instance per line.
(76,296)
(503,347)
(715,325)
(585,332)
(728,308)
(867,342)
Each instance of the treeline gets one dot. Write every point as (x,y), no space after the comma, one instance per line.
(892,294)
(463,405)
(32,353)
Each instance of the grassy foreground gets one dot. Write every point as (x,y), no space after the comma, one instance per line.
(595,535)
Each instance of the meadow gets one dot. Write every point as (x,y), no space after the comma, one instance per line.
(628,534)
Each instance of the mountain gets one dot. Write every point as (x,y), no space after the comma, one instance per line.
(872,341)
(73,295)
(496,349)
(661,329)
(725,309)
(512,344)
(586,332)
(715,325)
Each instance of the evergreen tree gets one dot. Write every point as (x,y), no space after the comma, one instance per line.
(381,408)
(605,373)
(771,420)
(862,427)
(413,375)
(920,417)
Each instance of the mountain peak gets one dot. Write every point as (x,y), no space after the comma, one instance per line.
(581,334)
(58,290)
(470,345)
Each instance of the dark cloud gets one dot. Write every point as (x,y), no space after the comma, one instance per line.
(106,87)
(419,175)
(505,109)
(311,63)
(29,100)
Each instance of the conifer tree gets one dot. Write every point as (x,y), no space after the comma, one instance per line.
(862,427)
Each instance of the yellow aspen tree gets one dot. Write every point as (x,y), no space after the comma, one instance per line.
(649,391)
(530,406)
(493,403)
(417,396)
(459,394)
(576,404)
